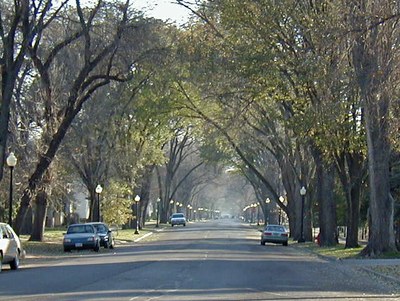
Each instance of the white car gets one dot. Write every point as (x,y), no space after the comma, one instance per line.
(178,219)
(10,247)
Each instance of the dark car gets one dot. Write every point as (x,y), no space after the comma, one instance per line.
(106,235)
(80,237)
(275,234)
(10,247)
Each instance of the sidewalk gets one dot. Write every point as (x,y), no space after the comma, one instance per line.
(388,269)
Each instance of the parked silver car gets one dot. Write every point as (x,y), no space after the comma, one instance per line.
(277,234)
(10,247)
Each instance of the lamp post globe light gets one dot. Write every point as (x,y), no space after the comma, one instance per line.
(158,212)
(137,200)
(303,192)
(99,189)
(11,162)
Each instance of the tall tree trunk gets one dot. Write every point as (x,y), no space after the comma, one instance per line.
(353,217)
(7,87)
(325,197)
(373,54)
(39,218)
(93,206)
(381,205)
(329,235)
(13,53)
(145,194)
(351,169)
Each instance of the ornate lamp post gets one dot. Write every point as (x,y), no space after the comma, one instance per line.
(158,212)
(11,162)
(303,192)
(137,200)
(99,189)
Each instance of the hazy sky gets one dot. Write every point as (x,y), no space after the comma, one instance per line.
(162,9)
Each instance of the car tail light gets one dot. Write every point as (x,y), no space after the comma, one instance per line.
(268,233)
(284,234)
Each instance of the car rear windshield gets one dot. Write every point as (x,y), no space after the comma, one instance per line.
(276,228)
(100,228)
(178,215)
(80,229)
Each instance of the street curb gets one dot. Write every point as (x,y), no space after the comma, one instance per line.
(148,234)
(387,277)
(142,237)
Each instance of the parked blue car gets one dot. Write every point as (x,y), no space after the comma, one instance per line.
(81,237)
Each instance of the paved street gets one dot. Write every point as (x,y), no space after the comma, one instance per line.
(220,260)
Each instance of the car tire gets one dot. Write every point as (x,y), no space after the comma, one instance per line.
(263,243)
(96,247)
(1,261)
(112,245)
(67,250)
(172,225)
(14,265)
(285,243)
(184,225)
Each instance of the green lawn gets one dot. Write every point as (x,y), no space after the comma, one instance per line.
(339,251)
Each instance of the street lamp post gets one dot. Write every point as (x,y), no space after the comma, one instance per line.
(266,213)
(171,207)
(11,162)
(303,192)
(137,200)
(158,212)
(281,199)
(99,189)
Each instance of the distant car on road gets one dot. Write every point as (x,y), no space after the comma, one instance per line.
(275,234)
(80,237)
(106,235)
(178,219)
(10,247)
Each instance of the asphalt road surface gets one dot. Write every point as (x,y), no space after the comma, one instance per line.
(219,260)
